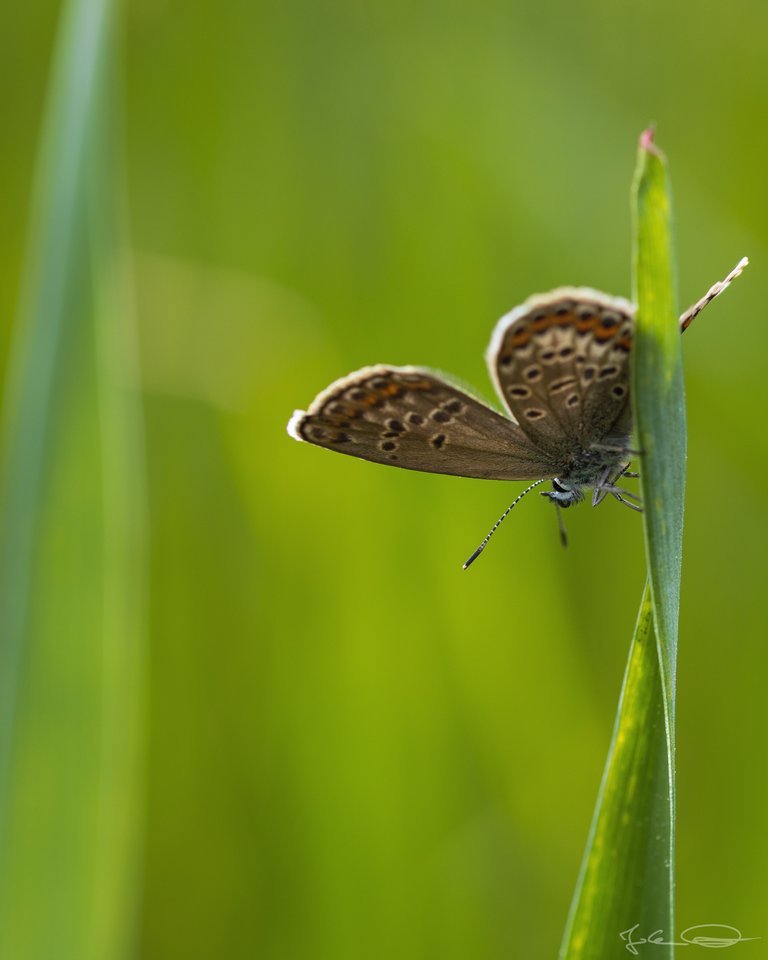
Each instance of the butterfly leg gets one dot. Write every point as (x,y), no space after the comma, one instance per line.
(561,525)
(618,491)
(607,484)
(625,472)
(627,503)
(601,488)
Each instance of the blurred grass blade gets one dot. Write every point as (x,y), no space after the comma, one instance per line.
(71,597)
(625,889)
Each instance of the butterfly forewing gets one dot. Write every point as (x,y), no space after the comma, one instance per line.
(410,417)
(560,363)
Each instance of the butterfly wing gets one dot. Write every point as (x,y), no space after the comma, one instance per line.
(560,363)
(410,417)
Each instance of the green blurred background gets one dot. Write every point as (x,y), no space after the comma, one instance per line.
(350,747)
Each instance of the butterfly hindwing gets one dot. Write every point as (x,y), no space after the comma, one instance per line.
(560,363)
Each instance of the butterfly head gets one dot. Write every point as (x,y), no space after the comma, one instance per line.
(564,493)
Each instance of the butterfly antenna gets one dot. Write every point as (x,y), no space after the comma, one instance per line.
(714,291)
(493,529)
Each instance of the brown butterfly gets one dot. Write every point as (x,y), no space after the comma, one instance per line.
(559,362)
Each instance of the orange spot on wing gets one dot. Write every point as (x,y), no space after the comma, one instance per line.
(605,333)
(542,323)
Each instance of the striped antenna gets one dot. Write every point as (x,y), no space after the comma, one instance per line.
(714,291)
(493,529)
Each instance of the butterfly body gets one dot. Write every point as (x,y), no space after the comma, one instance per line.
(589,468)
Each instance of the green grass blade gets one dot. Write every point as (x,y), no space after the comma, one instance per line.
(71,539)
(659,403)
(620,885)
(626,884)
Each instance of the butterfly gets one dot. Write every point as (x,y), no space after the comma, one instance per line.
(560,365)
